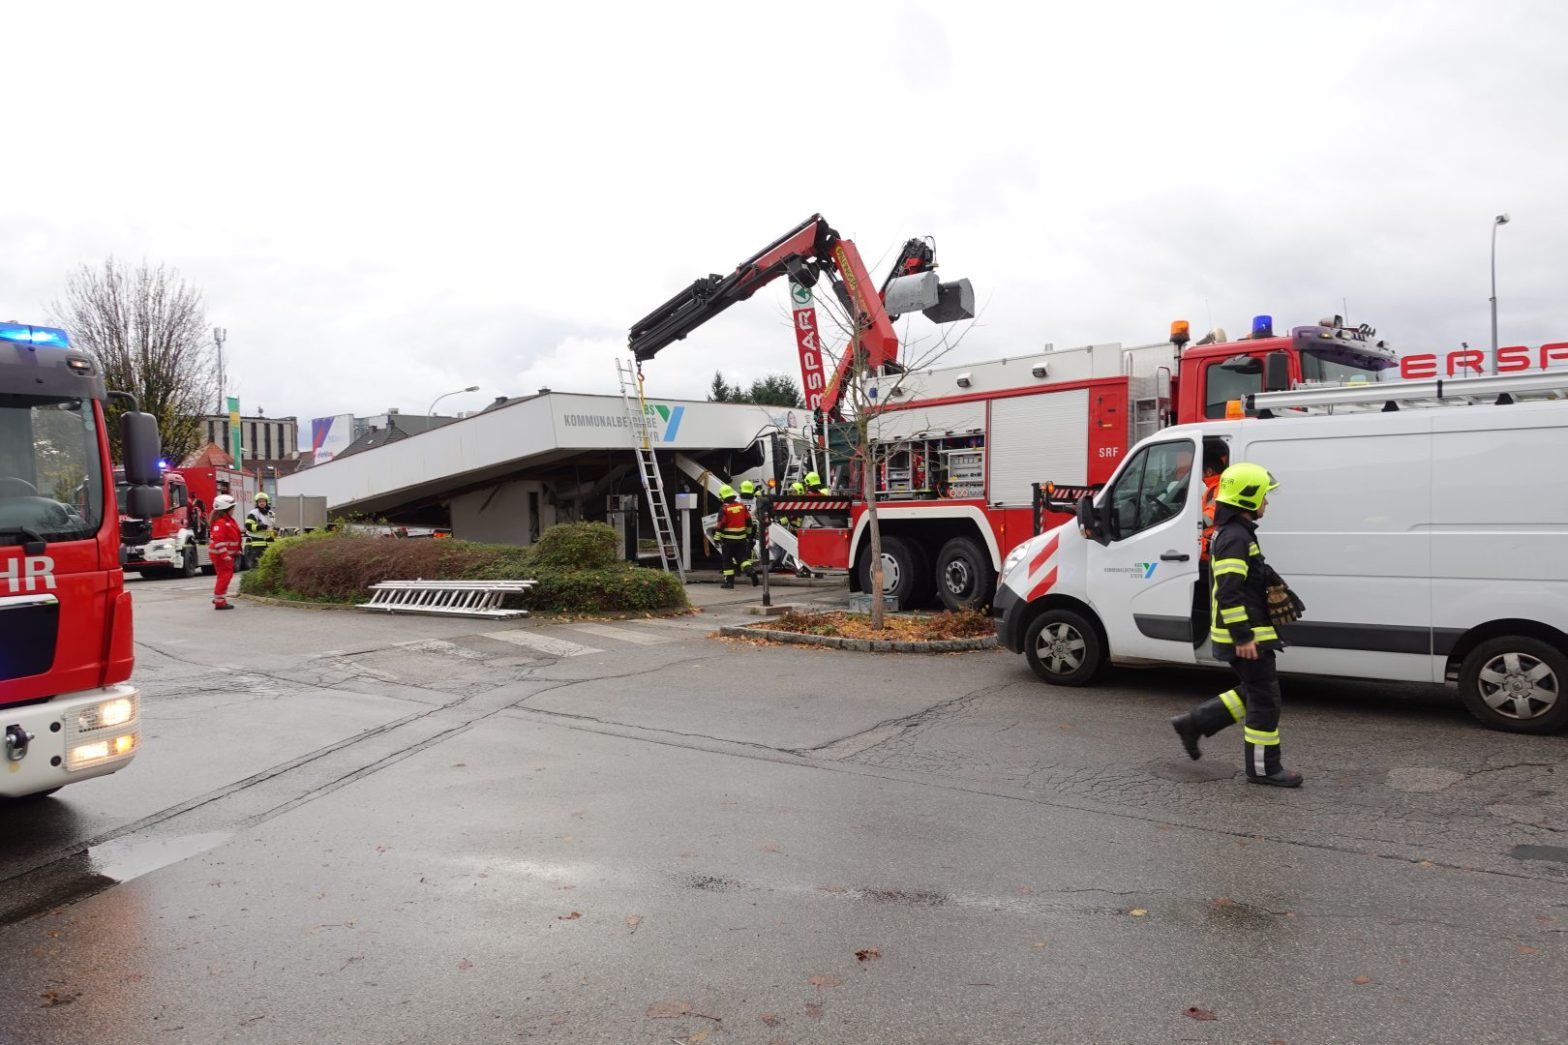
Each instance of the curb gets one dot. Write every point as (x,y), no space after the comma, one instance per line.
(547,616)
(752,631)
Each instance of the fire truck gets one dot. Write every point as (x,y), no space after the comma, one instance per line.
(174,542)
(66,707)
(972,460)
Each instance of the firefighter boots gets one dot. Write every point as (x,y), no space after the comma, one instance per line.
(1189,733)
(1278,778)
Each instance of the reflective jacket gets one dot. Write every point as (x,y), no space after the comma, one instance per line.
(1211,486)
(734,522)
(225,540)
(1238,606)
(258,522)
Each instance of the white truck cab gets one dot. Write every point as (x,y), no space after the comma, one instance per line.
(1429,545)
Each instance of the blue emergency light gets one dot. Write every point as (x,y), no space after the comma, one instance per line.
(1262,326)
(22,334)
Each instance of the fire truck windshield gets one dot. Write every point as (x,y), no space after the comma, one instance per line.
(51,477)
(1340,367)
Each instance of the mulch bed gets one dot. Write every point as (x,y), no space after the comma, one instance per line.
(897,627)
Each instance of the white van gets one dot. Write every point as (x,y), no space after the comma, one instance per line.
(1429,543)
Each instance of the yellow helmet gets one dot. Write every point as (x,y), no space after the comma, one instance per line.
(1244,485)
(813,480)
(747,486)
(726,492)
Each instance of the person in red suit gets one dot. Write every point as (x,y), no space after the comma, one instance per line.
(223,545)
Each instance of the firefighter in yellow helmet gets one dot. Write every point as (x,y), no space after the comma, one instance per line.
(733,533)
(1242,629)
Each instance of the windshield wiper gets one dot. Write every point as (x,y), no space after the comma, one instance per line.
(34,543)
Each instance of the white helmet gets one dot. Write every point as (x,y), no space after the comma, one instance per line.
(221,502)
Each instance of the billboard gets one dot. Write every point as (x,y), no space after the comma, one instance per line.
(330,436)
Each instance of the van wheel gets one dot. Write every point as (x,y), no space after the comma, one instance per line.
(964,580)
(188,562)
(905,571)
(1064,649)
(1516,683)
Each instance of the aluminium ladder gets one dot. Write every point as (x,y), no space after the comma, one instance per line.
(630,375)
(1500,389)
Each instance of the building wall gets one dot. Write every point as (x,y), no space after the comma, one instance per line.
(510,513)
(262,438)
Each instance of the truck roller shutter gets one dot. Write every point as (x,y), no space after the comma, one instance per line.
(1036,439)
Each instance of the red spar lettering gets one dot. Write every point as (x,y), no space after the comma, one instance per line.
(1467,359)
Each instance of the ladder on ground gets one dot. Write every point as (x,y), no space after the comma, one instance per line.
(630,375)
(447,598)
(1498,389)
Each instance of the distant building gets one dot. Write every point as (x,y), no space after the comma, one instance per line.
(265,440)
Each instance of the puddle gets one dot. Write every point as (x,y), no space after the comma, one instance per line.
(1540,852)
(131,857)
(83,874)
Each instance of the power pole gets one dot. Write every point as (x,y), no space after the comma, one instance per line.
(220,335)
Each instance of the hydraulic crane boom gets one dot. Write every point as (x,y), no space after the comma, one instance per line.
(805,253)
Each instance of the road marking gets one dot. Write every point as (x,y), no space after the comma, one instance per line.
(542,643)
(641,638)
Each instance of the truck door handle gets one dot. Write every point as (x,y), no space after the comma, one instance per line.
(1175,557)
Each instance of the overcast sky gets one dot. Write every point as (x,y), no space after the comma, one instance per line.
(386,201)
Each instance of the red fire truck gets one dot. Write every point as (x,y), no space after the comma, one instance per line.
(66,653)
(175,541)
(970,460)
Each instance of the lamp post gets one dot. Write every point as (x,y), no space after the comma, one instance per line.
(460,391)
(1501,219)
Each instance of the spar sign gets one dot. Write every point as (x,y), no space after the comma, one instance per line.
(813,380)
(1466,361)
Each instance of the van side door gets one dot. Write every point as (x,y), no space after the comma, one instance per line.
(1141,582)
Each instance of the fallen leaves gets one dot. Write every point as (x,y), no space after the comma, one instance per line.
(870,954)
(771,1019)
(53,998)
(1138,912)
(465,965)
(1523,949)
(633,921)
(1193,1012)
(1361,981)
(824,980)
(668,1010)
(568,917)
(814,1010)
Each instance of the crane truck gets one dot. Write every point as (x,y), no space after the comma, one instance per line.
(67,707)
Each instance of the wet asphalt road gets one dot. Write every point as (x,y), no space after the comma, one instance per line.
(354,829)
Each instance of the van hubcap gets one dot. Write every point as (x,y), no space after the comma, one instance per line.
(1519,686)
(1060,648)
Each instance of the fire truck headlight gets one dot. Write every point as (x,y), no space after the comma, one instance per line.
(115,712)
(84,755)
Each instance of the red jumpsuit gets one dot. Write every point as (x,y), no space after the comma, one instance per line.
(223,545)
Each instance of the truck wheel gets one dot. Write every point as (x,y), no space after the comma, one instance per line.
(1516,683)
(964,580)
(188,561)
(1064,649)
(904,570)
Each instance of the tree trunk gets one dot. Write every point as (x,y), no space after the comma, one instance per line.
(868,486)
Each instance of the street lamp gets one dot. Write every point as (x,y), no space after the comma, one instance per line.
(1501,219)
(460,391)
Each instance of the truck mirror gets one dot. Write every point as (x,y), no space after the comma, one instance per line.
(1276,372)
(144,502)
(140,444)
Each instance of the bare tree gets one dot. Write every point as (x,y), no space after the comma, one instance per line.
(147,329)
(865,392)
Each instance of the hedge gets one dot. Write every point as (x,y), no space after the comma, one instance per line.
(574,563)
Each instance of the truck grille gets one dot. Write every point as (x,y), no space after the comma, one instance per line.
(29,626)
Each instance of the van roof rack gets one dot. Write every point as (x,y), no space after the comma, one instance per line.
(1499,389)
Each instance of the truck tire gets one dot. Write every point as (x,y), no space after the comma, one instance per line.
(1516,684)
(187,566)
(905,570)
(964,578)
(1064,649)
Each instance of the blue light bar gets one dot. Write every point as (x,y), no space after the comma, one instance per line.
(22,334)
(1262,326)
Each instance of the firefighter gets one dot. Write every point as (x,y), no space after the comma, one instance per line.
(1216,458)
(733,533)
(748,497)
(223,545)
(1242,630)
(260,527)
(815,485)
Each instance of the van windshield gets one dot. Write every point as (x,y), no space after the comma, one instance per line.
(51,476)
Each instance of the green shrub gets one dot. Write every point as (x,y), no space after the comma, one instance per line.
(577,546)
(333,567)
